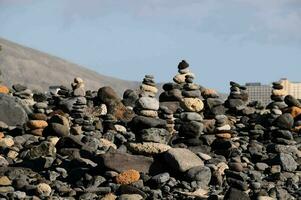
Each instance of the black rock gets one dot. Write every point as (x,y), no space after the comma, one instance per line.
(130,97)
(292,101)
(285,121)
(183,65)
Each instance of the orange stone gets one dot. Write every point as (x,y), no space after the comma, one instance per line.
(37,124)
(223,135)
(4,89)
(128,177)
(1,135)
(208,92)
(294,111)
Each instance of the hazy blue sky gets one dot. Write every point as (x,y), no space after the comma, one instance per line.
(223,40)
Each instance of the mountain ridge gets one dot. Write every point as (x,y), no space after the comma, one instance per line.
(39,70)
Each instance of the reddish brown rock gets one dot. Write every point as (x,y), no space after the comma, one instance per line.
(4,89)
(128,177)
(37,124)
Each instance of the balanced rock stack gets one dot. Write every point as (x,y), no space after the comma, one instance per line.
(25,94)
(167,115)
(190,120)
(148,87)
(213,105)
(147,106)
(78,91)
(286,121)
(183,69)
(172,95)
(38,121)
(278,95)
(51,149)
(237,99)
(222,127)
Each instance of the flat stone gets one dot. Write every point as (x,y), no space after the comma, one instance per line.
(148,148)
(261,166)
(121,162)
(149,88)
(223,135)
(181,159)
(191,116)
(149,113)
(141,122)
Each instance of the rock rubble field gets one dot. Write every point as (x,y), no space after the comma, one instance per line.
(187,144)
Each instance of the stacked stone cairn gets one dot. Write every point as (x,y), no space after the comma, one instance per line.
(147,106)
(54,145)
(189,121)
(213,104)
(277,96)
(172,95)
(237,99)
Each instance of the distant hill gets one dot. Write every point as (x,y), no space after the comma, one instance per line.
(39,70)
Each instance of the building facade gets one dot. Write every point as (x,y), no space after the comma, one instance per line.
(262,93)
(292,88)
(259,92)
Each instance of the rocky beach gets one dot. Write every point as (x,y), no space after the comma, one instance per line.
(74,143)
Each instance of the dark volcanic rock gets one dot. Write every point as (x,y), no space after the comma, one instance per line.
(285,121)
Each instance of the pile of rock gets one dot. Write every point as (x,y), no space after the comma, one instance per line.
(77,144)
(147,106)
(172,95)
(190,120)
(237,99)
(212,103)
